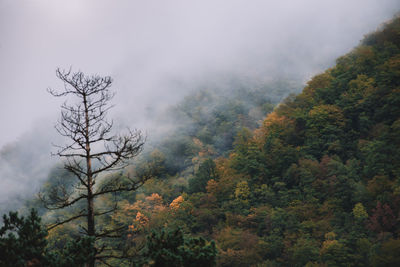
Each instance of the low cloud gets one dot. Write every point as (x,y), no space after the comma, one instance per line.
(157,52)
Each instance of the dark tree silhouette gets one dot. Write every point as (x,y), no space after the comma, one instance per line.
(92,150)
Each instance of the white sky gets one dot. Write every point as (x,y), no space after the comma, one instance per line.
(146,44)
(150,48)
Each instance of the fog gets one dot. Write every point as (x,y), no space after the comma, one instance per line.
(156,52)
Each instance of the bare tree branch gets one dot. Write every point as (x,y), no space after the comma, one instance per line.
(58,223)
(86,126)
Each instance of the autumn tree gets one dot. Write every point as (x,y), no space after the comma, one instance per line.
(92,150)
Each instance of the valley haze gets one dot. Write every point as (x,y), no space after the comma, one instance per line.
(157,52)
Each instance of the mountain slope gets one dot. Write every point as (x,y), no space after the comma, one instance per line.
(316,184)
(321,177)
(319,182)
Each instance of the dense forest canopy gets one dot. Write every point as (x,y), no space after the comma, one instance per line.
(315,183)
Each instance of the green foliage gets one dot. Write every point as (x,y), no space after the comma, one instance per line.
(198,252)
(170,248)
(326,163)
(305,250)
(205,173)
(22,240)
(164,248)
(335,253)
(388,254)
(75,253)
(317,183)
(23,243)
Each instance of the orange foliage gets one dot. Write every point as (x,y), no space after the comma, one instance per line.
(154,199)
(33,263)
(175,204)
(272,119)
(273,123)
(141,219)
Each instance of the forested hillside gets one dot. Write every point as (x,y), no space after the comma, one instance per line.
(315,183)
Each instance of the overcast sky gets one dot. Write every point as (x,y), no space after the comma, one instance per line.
(144,45)
(156,51)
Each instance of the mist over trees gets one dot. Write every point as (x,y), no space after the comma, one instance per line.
(159,60)
(316,184)
(245,172)
(92,150)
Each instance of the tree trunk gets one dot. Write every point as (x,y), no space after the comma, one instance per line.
(85,124)
(90,218)
(90,204)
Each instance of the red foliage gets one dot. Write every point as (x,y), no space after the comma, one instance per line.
(382,219)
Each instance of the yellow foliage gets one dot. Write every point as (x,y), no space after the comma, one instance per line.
(359,211)
(322,115)
(242,191)
(212,187)
(330,242)
(330,236)
(327,244)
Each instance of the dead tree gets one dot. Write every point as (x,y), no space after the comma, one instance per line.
(92,150)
